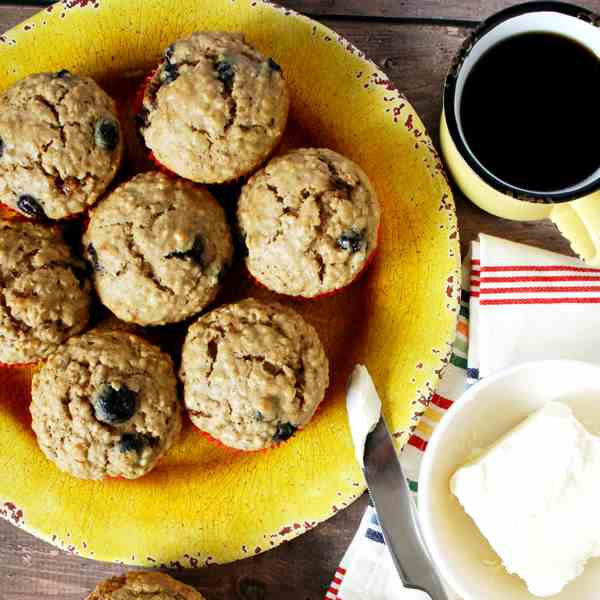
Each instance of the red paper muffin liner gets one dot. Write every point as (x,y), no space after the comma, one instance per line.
(332,292)
(121,478)
(10,214)
(137,107)
(138,99)
(29,365)
(160,166)
(219,444)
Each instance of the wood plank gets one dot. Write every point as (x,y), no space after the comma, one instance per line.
(12,14)
(459,10)
(434,10)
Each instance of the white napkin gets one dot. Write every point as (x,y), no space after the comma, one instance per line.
(518,304)
(532,304)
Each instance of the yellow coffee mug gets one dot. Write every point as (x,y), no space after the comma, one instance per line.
(576,210)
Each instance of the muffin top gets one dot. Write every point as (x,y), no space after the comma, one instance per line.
(253,373)
(44,291)
(160,248)
(310,222)
(215,108)
(146,586)
(105,405)
(60,144)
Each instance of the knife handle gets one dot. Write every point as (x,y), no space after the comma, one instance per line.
(397,514)
(428,580)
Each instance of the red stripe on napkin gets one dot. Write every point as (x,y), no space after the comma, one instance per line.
(475,279)
(541,301)
(441,401)
(540,278)
(541,289)
(538,268)
(417,442)
(332,591)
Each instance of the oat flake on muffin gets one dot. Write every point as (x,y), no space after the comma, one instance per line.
(253,373)
(310,221)
(105,405)
(44,291)
(147,586)
(60,144)
(215,108)
(160,248)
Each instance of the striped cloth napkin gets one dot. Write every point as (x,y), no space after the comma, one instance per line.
(518,303)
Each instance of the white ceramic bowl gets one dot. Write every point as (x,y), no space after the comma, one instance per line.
(484,413)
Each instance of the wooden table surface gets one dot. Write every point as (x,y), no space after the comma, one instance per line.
(413,41)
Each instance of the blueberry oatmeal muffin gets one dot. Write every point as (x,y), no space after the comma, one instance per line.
(159,247)
(60,144)
(149,586)
(253,374)
(44,291)
(105,405)
(214,109)
(310,222)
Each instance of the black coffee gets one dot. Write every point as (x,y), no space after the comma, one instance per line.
(530,111)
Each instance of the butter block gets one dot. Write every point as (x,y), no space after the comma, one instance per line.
(364,409)
(535,496)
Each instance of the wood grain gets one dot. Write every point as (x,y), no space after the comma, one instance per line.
(436,10)
(416,56)
(469,11)
(12,14)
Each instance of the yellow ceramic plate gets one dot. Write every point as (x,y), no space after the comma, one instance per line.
(202,503)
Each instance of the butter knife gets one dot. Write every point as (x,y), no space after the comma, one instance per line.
(389,490)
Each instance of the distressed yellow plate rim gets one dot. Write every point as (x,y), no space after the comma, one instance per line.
(203,505)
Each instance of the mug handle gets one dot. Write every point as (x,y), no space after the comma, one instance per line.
(579,222)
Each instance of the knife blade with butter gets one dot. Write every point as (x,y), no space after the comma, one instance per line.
(388,487)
